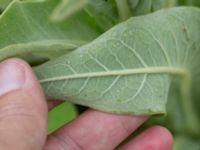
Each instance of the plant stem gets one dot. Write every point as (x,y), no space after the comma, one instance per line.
(123,9)
(192,122)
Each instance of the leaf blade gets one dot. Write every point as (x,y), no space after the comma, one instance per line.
(125,54)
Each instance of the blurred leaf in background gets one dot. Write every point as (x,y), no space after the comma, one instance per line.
(67,8)
(103,14)
(4,4)
(61,115)
(28,31)
(189,2)
(185,143)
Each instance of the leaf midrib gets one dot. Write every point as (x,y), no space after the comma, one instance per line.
(182,72)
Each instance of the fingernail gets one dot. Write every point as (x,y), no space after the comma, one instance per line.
(12,77)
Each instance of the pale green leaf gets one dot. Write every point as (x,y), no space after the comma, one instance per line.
(129,68)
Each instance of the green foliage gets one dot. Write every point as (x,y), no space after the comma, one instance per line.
(61,115)
(143,7)
(185,143)
(67,8)
(123,9)
(94,53)
(40,37)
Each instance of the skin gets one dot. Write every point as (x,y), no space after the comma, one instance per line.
(23,120)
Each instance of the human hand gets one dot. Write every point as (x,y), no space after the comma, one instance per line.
(23,120)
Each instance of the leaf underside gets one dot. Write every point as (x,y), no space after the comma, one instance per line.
(129,68)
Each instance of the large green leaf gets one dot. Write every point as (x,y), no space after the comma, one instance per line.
(129,68)
(25,28)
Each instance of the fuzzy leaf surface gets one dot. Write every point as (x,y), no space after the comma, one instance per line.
(129,68)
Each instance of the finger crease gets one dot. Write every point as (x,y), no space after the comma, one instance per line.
(78,145)
(64,144)
(60,142)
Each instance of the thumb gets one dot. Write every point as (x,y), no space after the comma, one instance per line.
(23,110)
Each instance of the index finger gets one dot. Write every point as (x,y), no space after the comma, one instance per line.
(95,130)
